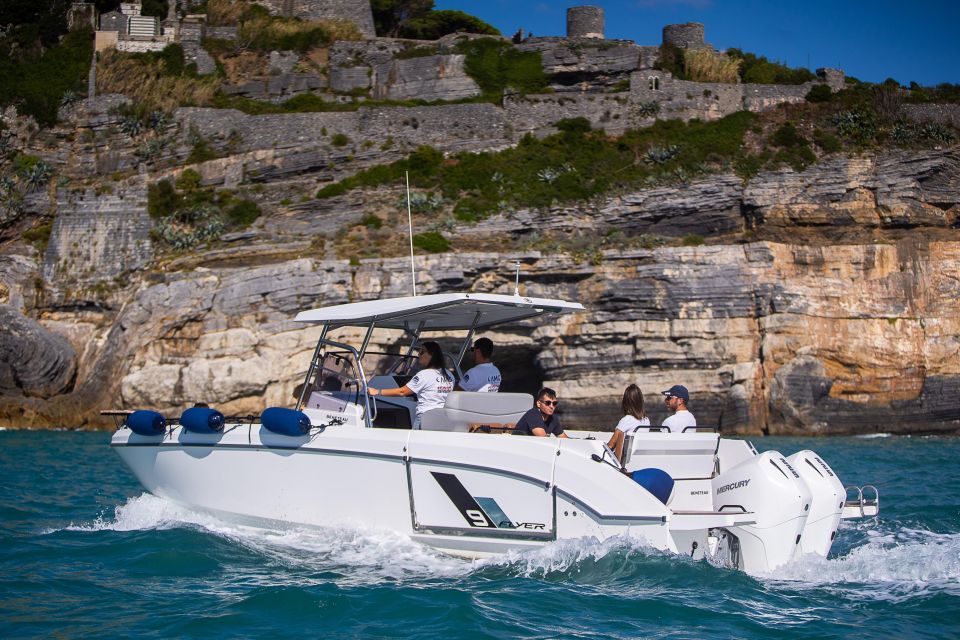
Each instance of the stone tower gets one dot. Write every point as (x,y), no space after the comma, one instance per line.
(585,22)
(684,36)
(359,12)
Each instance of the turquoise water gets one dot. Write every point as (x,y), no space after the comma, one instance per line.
(85,552)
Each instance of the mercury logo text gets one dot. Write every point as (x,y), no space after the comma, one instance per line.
(733,485)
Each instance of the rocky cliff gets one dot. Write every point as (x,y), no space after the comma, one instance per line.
(832,307)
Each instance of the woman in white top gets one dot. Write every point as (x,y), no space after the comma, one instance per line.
(634,418)
(431,384)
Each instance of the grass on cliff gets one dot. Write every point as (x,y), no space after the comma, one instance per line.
(575,164)
(155,81)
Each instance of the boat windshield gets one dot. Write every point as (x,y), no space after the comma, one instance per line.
(333,383)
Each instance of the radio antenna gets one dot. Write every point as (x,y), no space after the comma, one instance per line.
(516,284)
(413,269)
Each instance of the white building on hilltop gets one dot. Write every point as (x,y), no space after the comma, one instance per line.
(127,29)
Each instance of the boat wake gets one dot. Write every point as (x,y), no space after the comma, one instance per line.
(886,564)
(890,564)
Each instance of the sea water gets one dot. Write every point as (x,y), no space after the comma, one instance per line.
(85,551)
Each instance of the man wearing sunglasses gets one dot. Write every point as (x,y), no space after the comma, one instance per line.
(541,420)
(676,399)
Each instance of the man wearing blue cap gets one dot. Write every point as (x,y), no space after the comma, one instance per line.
(676,399)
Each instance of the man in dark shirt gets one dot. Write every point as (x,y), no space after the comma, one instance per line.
(541,421)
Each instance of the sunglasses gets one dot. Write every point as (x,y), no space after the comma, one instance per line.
(550,403)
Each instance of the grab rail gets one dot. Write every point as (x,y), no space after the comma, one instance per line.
(369,416)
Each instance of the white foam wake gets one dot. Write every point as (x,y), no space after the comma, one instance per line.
(873,436)
(890,565)
(368,554)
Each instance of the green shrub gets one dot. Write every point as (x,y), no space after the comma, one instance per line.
(243,213)
(571,165)
(692,240)
(758,70)
(827,141)
(335,189)
(39,236)
(36,80)
(189,180)
(820,93)
(339,140)
(496,65)
(436,24)
(671,60)
(573,126)
(473,208)
(431,242)
(202,151)
(371,221)
(942,93)
(788,136)
(162,199)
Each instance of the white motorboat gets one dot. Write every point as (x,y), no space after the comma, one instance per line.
(344,457)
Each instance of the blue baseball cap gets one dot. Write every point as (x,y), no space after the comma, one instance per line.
(678,391)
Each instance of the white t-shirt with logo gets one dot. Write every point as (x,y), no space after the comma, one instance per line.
(431,387)
(679,421)
(629,424)
(483,377)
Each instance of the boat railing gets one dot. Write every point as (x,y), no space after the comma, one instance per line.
(369,413)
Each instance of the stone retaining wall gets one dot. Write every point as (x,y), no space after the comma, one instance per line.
(96,238)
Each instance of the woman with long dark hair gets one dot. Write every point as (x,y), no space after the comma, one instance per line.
(431,384)
(634,417)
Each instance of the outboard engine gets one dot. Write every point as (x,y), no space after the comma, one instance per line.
(828,497)
(770,488)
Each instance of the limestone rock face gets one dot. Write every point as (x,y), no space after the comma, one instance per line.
(33,361)
(426,78)
(767,336)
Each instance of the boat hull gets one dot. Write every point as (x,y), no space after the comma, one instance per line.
(465,494)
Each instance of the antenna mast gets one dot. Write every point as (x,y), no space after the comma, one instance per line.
(413,271)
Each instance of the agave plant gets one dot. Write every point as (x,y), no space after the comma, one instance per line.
(550,174)
(37,175)
(158,121)
(422,202)
(648,109)
(131,125)
(150,149)
(68,98)
(661,155)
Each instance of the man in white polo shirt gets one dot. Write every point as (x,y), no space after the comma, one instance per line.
(676,399)
(484,376)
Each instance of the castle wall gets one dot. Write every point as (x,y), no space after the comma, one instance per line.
(536,114)
(759,97)
(941,113)
(97,237)
(269,147)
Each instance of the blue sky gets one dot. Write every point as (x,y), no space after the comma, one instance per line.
(918,40)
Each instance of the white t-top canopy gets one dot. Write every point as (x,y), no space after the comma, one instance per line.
(440,312)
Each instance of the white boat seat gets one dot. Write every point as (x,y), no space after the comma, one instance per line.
(684,456)
(465,409)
